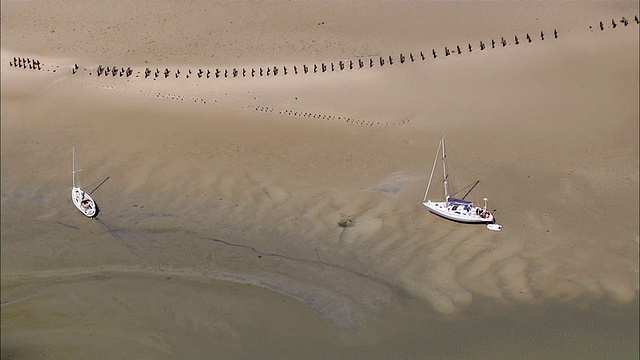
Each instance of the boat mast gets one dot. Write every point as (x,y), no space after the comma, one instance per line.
(73,157)
(444,171)
(432,169)
(74,164)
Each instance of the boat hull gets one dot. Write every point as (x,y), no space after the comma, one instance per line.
(83,202)
(464,213)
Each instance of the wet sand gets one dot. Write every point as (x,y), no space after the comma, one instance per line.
(107,316)
(221,198)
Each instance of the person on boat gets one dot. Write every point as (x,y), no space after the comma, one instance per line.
(86,203)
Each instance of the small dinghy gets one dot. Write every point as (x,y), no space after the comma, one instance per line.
(494,227)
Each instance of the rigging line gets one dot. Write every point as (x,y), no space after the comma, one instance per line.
(464,188)
(432,169)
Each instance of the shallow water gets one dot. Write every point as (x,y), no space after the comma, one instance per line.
(108,315)
(487,330)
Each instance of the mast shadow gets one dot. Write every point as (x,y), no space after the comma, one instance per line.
(97,187)
(470,186)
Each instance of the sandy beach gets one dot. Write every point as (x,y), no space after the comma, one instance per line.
(260,167)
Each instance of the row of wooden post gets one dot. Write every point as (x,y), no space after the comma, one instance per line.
(304,69)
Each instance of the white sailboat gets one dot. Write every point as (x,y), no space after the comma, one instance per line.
(451,208)
(80,198)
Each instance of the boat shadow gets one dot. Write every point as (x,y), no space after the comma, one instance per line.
(95,216)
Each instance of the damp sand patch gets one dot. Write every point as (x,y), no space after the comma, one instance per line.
(395,183)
